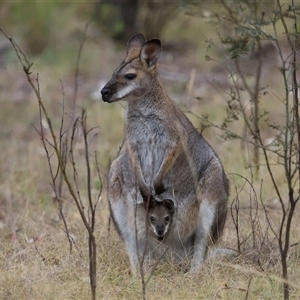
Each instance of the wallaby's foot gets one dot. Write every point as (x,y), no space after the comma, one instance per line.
(219,253)
(136,272)
(196,266)
(134,275)
(194,270)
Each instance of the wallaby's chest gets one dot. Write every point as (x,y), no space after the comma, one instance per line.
(149,137)
(149,129)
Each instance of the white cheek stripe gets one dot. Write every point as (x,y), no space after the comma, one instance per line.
(154,229)
(124,91)
(131,71)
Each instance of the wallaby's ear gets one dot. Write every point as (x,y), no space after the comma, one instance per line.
(150,53)
(134,46)
(169,204)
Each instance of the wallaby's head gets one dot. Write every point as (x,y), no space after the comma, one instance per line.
(160,216)
(132,79)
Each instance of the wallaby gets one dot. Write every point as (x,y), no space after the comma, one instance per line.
(165,158)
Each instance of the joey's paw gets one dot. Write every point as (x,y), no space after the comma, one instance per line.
(147,194)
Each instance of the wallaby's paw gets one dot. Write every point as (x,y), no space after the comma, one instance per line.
(147,194)
(159,188)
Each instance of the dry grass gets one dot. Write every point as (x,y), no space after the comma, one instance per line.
(42,268)
(35,259)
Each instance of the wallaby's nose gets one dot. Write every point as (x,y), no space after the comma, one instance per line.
(105,93)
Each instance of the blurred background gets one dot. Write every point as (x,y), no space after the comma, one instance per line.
(50,35)
(195,68)
(194,65)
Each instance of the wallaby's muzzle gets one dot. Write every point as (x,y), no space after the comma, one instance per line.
(105,92)
(160,231)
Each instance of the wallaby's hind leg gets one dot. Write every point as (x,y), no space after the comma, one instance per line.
(212,218)
(202,236)
(123,206)
(212,212)
(133,256)
(119,213)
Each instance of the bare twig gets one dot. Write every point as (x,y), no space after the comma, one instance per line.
(248,287)
(226,287)
(235,218)
(81,44)
(251,32)
(60,151)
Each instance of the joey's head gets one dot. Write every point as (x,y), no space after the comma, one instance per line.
(132,79)
(160,217)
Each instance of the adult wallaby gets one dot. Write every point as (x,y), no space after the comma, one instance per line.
(165,158)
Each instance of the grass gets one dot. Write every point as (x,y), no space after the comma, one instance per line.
(45,270)
(35,259)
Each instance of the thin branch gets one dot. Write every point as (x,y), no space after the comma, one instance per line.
(82,42)
(248,287)
(53,178)
(226,287)
(267,215)
(88,166)
(72,159)
(100,182)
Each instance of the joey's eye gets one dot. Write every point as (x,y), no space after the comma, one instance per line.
(152,219)
(167,219)
(130,76)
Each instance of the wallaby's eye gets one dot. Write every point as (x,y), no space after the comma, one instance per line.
(152,219)
(130,76)
(167,219)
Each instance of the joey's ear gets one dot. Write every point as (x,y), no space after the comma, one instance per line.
(134,46)
(150,52)
(169,204)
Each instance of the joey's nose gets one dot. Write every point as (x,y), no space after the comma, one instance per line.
(160,231)
(105,93)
